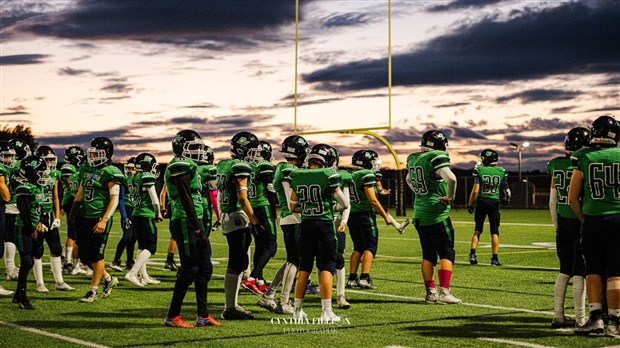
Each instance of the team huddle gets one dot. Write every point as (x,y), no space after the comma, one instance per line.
(317,199)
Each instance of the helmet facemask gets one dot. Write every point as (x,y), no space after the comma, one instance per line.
(253,155)
(194,150)
(9,158)
(96,157)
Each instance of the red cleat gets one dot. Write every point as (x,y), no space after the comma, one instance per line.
(208,321)
(177,322)
(251,285)
(263,287)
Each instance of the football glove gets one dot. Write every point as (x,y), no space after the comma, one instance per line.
(127,224)
(471,209)
(216,226)
(55,224)
(505,202)
(258,230)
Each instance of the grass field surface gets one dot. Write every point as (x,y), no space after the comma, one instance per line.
(505,306)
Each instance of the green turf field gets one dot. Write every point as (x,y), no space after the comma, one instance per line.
(502,306)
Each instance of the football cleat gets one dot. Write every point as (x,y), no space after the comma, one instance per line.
(563,323)
(352,283)
(107,287)
(613,327)
(446,298)
(472,259)
(312,289)
(431,295)
(90,296)
(5,292)
(133,279)
(342,302)
(237,313)
(23,301)
(299,314)
(171,266)
(148,280)
(267,303)
(251,285)
(495,263)
(366,284)
(12,274)
(177,322)
(42,288)
(207,321)
(284,308)
(64,287)
(263,287)
(328,316)
(78,270)
(595,325)
(116,265)
(67,267)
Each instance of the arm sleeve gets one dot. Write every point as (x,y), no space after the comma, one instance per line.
(23,204)
(553,201)
(346,205)
(215,203)
(154,200)
(121,203)
(446,174)
(408,181)
(185,195)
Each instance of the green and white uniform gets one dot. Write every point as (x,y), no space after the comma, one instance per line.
(228,171)
(561,171)
(428,187)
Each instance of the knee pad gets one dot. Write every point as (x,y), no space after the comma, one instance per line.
(56,249)
(37,250)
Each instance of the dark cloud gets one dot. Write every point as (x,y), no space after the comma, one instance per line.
(234,22)
(562,110)
(568,39)
(346,20)
(451,105)
(605,109)
(461,4)
(73,72)
(200,106)
(23,59)
(536,95)
(14,113)
(117,88)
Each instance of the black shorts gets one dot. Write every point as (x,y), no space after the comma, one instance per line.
(195,255)
(92,245)
(51,237)
(364,232)
(146,233)
(600,242)
(568,247)
(487,207)
(268,239)
(437,239)
(291,242)
(318,240)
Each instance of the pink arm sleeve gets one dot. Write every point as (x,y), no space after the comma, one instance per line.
(215,203)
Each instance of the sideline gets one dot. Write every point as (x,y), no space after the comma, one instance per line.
(53,335)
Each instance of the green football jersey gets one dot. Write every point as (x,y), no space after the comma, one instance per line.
(177,167)
(96,193)
(132,195)
(314,189)
(428,187)
(228,171)
(48,191)
(491,179)
(70,186)
(143,206)
(561,172)
(208,173)
(283,173)
(601,184)
(360,179)
(257,190)
(35,194)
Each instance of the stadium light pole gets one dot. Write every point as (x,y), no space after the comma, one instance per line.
(520,148)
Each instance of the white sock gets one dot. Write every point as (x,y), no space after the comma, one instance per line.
(298,303)
(68,253)
(561,283)
(37,269)
(596,307)
(56,264)
(140,264)
(107,277)
(231,288)
(341,281)
(9,255)
(579,296)
(277,279)
(287,282)
(326,304)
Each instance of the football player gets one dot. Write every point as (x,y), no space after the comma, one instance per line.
(22,150)
(69,177)
(145,215)
(126,205)
(7,161)
(594,196)
(95,201)
(208,175)
(172,245)
(33,176)
(184,185)
(265,239)
(484,200)
(294,149)
(50,217)
(434,185)
(567,231)
(313,192)
(363,220)
(238,218)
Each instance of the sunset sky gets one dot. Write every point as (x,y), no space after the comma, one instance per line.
(486,72)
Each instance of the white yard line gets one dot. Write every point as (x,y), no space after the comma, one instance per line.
(506,223)
(53,335)
(514,343)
